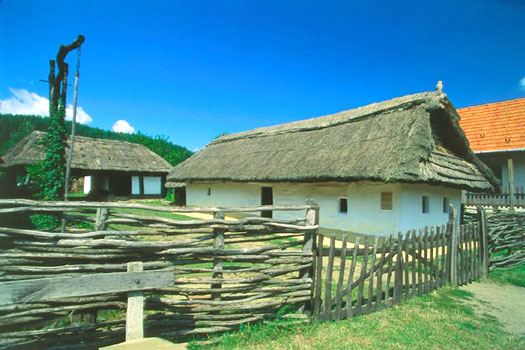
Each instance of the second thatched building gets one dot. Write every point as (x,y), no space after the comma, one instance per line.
(383,168)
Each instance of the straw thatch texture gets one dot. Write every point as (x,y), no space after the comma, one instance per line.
(91,154)
(414,138)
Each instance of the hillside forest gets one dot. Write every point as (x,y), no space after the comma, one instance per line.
(15,127)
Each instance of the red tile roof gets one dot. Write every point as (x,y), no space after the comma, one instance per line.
(495,126)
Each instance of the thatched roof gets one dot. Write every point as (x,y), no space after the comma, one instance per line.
(91,154)
(411,139)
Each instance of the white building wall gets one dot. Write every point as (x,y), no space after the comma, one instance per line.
(364,203)
(412,215)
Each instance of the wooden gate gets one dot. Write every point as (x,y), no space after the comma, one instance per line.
(371,273)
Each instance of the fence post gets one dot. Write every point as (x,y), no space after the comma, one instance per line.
(218,243)
(483,240)
(310,237)
(510,166)
(100,219)
(135,308)
(454,235)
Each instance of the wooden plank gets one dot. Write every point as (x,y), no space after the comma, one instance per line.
(388,299)
(431,246)
(420,263)
(349,310)
(454,233)
(444,245)
(425,259)
(362,279)
(460,257)
(328,282)
(100,219)
(312,219)
(484,242)
(62,287)
(371,279)
(135,308)
(413,262)
(437,245)
(472,255)
(406,285)
(379,286)
(318,275)
(398,280)
(510,168)
(339,292)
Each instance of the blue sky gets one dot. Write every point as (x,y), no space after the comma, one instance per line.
(191,70)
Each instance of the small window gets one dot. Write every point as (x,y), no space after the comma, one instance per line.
(209,191)
(386,200)
(446,204)
(343,205)
(425,205)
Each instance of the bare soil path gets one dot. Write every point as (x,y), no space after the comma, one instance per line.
(505,302)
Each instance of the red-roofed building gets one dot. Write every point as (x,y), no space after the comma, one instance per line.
(496,132)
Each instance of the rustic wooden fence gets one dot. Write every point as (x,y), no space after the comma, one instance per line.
(505,199)
(506,235)
(367,275)
(228,272)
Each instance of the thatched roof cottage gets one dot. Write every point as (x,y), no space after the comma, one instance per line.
(113,166)
(382,168)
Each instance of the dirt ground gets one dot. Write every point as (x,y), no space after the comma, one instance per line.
(505,302)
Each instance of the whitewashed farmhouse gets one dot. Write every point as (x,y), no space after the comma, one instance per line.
(110,166)
(378,169)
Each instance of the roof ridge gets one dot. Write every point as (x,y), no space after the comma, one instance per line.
(342,117)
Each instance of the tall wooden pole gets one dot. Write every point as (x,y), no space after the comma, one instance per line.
(510,165)
(70,154)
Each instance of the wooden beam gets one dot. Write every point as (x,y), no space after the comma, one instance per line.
(510,169)
(62,287)
(135,308)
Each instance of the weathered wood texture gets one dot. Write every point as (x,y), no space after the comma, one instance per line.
(228,272)
(371,276)
(504,230)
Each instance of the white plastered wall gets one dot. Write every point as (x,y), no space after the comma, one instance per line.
(364,202)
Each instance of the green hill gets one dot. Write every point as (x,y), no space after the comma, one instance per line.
(15,127)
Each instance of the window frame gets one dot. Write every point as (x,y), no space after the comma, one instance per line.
(386,200)
(340,205)
(425,204)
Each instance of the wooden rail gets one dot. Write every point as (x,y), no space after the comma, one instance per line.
(227,272)
(505,199)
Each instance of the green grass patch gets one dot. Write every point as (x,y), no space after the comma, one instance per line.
(515,276)
(439,320)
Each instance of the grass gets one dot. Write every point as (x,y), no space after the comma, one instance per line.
(515,276)
(439,320)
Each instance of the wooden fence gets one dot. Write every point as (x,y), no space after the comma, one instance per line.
(505,199)
(228,272)
(506,235)
(367,275)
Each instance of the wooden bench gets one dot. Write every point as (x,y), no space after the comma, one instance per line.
(134,282)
